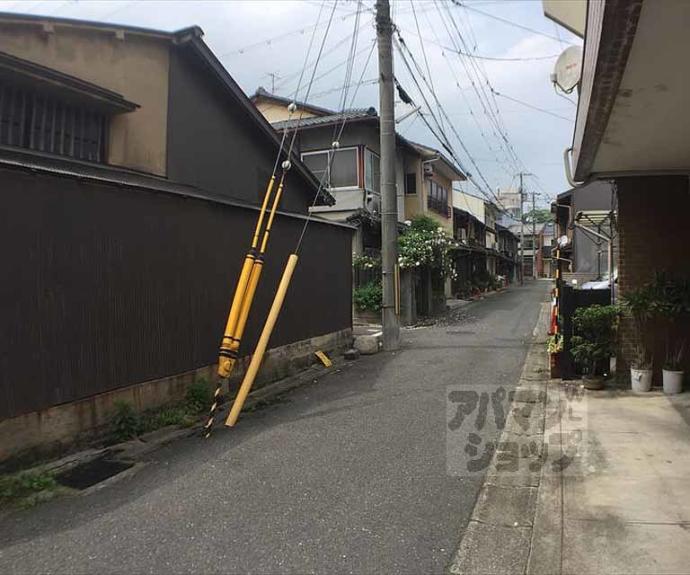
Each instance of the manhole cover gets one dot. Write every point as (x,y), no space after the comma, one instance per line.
(95,471)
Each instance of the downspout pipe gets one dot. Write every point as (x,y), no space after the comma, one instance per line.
(568,171)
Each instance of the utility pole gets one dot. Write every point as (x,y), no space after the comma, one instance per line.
(522,235)
(522,231)
(273,76)
(389,200)
(534,238)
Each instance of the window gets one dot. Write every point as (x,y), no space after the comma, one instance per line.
(372,171)
(342,172)
(31,120)
(437,198)
(317,162)
(411,184)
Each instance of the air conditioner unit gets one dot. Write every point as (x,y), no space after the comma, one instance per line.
(428,170)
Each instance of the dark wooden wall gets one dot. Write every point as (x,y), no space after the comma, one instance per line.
(214,144)
(105,286)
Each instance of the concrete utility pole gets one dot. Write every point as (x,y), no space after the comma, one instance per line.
(534,238)
(389,200)
(522,235)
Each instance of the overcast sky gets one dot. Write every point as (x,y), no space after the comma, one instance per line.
(517,45)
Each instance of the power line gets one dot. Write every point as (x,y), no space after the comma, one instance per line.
(280,37)
(481,56)
(368,82)
(473,75)
(496,116)
(467,101)
(509,22)
(421,43)
(400,44)
(288,78)
(533,107)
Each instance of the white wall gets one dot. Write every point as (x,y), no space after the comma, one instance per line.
(471,204)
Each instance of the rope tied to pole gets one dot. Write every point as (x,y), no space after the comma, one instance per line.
(250,272)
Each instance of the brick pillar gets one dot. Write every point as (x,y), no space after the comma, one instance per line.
(652,225)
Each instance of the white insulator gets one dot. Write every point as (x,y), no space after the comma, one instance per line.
(292,107)
(335,145)
(286,165)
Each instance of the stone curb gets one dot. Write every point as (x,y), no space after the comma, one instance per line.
(498,538)
(134,450)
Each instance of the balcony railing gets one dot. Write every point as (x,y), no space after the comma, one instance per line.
(438,206)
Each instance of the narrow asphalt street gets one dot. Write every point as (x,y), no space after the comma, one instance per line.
(350,474)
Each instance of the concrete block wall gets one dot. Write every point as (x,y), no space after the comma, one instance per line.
(653,237)
(54,430)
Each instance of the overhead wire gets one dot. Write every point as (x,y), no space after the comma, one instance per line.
(477,86)
(337,136)
(253,263)
(481,56)
(520,165)
(279,37)
(402,48)
(469,105)
(288,78)
(286,278)
(421,44)
(533,107)
(508,22)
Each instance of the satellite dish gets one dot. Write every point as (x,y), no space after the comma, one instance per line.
(568,69)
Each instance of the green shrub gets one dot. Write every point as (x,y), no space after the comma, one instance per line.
(368,297)
(125,422)
(594,335)
(14,488)
(175,415)
(199,396)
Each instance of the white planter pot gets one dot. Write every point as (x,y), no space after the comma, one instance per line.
(641,380)
(673,381)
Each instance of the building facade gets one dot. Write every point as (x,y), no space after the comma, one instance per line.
(133,167)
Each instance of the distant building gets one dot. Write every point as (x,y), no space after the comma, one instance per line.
(424,180)
(510,200)
(531,248)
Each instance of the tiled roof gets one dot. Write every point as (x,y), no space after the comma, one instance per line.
(354,114)
(261,92)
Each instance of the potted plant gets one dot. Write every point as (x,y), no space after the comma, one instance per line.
(672,301)
(640,304)
(594,335)
(673,369)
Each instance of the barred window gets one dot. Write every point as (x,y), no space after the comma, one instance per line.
(437,198)
(31,120)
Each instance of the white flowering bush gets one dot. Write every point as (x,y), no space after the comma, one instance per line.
(425,243)
(364,262)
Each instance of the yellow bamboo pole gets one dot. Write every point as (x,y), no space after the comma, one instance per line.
(230,343)
(249,290)
(260,350)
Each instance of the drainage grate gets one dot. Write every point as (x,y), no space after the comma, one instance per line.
(95,471)
(459,332)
